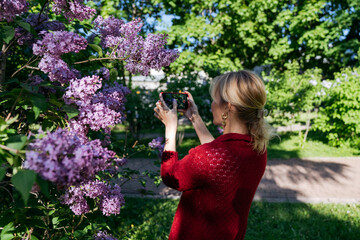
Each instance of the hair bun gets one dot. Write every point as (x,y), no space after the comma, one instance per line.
(262,113)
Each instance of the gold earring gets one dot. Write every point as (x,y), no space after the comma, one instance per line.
(224,117)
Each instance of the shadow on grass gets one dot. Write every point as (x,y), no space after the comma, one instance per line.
(151,219)
(273,221)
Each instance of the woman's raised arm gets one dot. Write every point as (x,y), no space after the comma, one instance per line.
(193,115)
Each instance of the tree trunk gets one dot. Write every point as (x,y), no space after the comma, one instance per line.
(129,85)
(307,127)
(2,68)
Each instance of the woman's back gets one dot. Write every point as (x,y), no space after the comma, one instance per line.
(218,180)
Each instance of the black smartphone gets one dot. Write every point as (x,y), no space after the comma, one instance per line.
(181,99)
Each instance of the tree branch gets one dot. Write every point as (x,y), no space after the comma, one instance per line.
(9,149)
(98,59)
(26,66)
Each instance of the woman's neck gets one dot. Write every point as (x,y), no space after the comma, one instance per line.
(235,126)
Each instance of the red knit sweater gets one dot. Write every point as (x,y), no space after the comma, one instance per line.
(218,181)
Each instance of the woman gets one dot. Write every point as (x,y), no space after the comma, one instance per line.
(218,178)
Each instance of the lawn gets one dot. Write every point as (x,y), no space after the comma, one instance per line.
(147,218)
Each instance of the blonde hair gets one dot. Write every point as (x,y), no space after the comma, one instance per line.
(246,92)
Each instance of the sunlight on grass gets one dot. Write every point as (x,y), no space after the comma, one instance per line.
(290,147)
(146,218)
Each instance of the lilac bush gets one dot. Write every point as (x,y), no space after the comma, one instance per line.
(74,160)
(10,8)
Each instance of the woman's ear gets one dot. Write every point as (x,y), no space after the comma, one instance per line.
(228,106)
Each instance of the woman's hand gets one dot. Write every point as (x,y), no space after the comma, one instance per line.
(192,109)
(166,115)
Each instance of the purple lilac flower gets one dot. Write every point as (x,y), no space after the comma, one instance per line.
(120,161)
(112,201)
(104,73)
(110,26)
(80,91)
(35,80)
(9,9)
(57,69)
(99,110)
(220,130)
(107,197)
(140,54)
(80,130)
(59,42)
(40,24)
(51,47)
(156,143)
(63,159)
(103,235)
(73,9)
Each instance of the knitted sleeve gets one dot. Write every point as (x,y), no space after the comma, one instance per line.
(179,174)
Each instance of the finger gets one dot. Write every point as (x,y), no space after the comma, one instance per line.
(174,105)
(159,105)
(157,116)
(189,95)
(165,107)
(191,101)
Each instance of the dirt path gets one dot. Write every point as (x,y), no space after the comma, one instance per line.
(313,180)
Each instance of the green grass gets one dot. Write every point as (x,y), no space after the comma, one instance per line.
(290,146)
(146,218)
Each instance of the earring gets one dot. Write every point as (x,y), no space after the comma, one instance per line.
(224,117)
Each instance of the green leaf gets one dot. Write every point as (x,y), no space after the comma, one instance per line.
(70,111)
(7,232)
(16,142)
(24,25)
(44,185)
(23,181)
(96,48)
(2,173)
(39,104)
(7,33)
(113,74)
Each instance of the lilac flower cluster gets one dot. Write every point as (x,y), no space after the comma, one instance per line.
(98,110)
(40,24)
(107,197)
(140,54)
(35,80)
(51,47)
(10,8)
(153,55)
(81,91)
(156,143)
(103,235)
(59,42)
(72,9)
(63,159)
(57,69)
(104,73)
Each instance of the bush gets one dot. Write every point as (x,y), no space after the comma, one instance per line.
(340,113)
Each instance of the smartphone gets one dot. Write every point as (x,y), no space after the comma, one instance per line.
(181,99)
